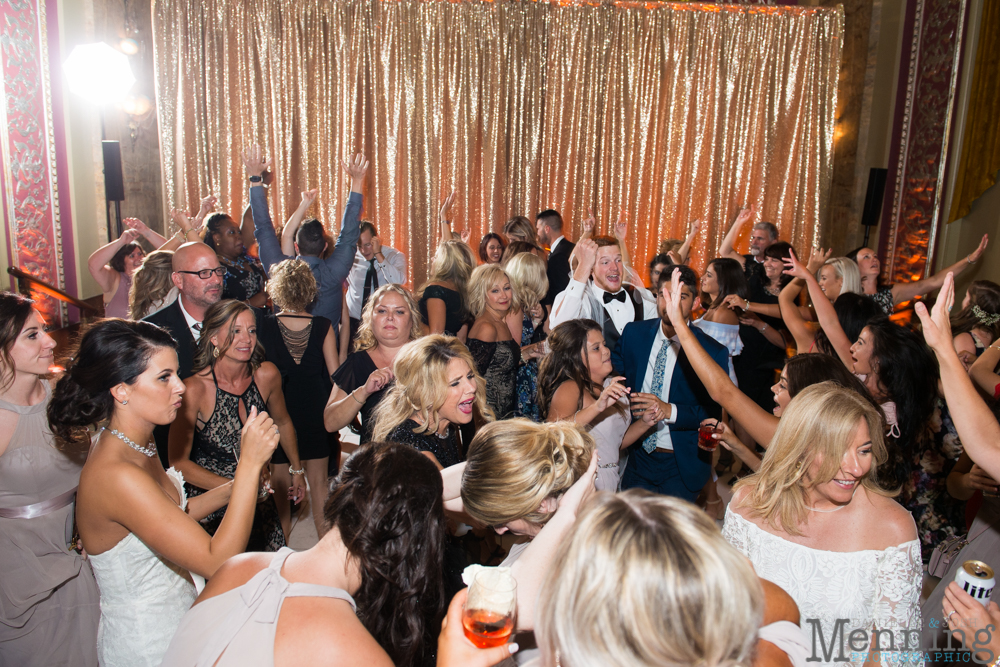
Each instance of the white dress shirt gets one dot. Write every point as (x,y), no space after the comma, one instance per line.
(552,247)
(587,300)
(393,270)
(663,426)
(190,320)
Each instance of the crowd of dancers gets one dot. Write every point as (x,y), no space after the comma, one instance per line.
(535,387)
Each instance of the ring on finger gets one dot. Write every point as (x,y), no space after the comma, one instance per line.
(276,431)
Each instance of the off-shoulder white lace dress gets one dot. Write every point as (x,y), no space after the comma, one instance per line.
(868,588)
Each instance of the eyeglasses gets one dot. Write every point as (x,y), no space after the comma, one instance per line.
(205,274)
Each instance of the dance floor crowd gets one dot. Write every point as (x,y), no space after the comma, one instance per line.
(746,462)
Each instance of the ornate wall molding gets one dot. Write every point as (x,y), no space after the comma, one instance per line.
(920,138)
(28,149)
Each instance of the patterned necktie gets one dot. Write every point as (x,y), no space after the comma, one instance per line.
(371,283)
(197,327)
(659,370)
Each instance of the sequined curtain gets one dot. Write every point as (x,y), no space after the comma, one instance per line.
(667,111)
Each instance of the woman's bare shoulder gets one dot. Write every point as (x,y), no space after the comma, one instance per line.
(326,631)
(888,522)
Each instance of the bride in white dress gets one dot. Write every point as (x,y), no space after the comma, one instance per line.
(141,533)
(814,521)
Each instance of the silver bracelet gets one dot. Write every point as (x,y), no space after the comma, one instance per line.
(763,328)
(293,471)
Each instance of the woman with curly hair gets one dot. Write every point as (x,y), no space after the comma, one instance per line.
(303,347)
(369,593)
(152,287)
(389,321)
(230,379)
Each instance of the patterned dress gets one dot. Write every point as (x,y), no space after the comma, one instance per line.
(925,490)
(216,448)
(245,277)
(497,363)
(527,377)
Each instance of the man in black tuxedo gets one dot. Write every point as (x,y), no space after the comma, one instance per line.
(549,226)
(198,276)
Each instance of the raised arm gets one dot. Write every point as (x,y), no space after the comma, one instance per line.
(685,250)
(343,407)
(589,224)
(142,507)
(983,371)
(155,239)
(97,263)
(292,226)
(568,304)
(267,241)
(906,291)
(825,312)
(758,423)
(727,249)
(444,217)
(977,428)
(803,335)
(344,250)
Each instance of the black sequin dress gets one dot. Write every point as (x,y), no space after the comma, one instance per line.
(497,363)
(445,449)
(216,448)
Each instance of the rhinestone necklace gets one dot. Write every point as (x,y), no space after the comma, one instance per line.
(149,450)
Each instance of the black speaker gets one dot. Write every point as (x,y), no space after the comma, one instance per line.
(873,198)
(114,185)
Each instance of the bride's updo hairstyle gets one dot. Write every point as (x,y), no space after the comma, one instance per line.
(818,424)
(647,580)
(111,352)
(386,504)
(513,465)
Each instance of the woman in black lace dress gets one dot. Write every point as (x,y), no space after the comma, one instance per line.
(230,378)
(436,390)
(493,347)
(245,276)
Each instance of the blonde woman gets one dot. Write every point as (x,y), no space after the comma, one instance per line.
(814,521)
(837,276)
(152,288)
(527,323)
(494,349)
(646,580)
(519,228)
(389,320)
(528,479)
(437,390)
(304,349)
(443,301)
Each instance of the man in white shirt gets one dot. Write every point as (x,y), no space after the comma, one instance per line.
(374,265)
(667,460)
(598,291)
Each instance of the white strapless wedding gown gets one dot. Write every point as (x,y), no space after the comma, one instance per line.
(143,599)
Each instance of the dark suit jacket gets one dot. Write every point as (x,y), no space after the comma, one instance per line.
(172,319)
(687,393)
(557,270)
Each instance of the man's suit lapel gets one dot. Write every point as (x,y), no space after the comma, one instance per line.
(642,352)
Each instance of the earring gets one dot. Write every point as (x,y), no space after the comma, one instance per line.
(215,352)
(125,402)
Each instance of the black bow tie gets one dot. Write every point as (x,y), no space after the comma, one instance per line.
(609,297)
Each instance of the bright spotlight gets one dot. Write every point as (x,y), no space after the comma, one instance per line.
(98,73)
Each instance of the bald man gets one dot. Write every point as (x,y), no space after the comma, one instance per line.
(198,276)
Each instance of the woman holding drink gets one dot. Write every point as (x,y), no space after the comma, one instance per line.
(575,383)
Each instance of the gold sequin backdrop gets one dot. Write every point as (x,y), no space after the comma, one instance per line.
(668,111)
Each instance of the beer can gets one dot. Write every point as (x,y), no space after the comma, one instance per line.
(976,578)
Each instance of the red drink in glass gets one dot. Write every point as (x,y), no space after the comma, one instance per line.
(487,629)
(705,439)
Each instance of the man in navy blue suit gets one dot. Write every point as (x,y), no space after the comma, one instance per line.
(668,460)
